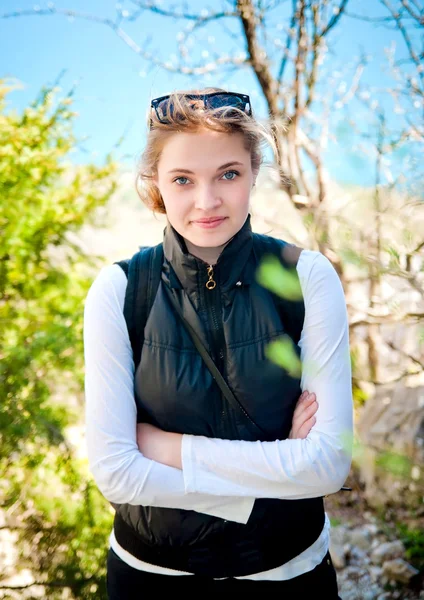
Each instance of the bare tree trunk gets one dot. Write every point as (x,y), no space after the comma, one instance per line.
(375,277)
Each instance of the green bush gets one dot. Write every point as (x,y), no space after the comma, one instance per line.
(44,277)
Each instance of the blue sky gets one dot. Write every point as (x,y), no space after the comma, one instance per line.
(114,85)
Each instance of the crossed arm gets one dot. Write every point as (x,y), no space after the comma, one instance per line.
(217,475)
(166,447)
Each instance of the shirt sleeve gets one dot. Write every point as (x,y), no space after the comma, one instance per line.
(293,469)
(121,472)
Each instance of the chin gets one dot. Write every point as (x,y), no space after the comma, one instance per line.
(211,239)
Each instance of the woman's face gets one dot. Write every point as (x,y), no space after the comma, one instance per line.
(205,180)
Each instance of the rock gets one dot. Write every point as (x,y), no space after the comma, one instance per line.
(354,573)
(355,583)
(387,551)
(349,593)
(375,543)
(360,557)
(375,573)
(392,421)
(385,596)
(361,537)
(372,528)
(399,570)
(338,539)
(368,595)
(339,534)
(338,555)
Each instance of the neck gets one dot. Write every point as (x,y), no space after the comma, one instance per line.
(208,255)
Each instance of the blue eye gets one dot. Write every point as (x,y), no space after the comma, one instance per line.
(178,180)
(233,173)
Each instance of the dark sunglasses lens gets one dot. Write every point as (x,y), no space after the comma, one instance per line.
(164,109)
(226,100)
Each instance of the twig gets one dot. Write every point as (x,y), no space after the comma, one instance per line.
(389,381)
(396,16)
(259,64)
(387,320)
(288,45)
(406,354)
(336,16)
(416,16)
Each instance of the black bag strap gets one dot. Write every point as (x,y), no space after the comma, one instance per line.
(143,272)
(223,385)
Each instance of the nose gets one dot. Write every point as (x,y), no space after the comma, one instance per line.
(207,198)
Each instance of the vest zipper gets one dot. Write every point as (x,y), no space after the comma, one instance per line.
(210,284)
(213,301)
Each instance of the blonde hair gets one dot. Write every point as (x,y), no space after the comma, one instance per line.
(184,119)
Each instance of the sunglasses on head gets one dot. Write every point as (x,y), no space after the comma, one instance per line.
(164,105)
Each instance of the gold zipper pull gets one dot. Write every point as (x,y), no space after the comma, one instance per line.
(210,284)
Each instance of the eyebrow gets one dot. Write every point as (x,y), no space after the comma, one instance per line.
(225,166)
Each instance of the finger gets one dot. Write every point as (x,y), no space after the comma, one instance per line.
(305,429)
(298,412)
(300,409)
(308,411)
(303,396)
(311,408)
(308,399)
(303,402)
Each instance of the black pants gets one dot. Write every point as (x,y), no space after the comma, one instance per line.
(126,583)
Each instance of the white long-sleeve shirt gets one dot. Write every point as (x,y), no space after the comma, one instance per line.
(219,477)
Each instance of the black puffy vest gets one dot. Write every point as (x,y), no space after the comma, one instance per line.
(175,391)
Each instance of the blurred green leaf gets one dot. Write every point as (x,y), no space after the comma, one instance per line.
(276,278)
(395,463)
(349,256)
(282,352)
(394,257)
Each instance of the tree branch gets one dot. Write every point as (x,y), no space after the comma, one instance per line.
(311,151)
(397,18)
(387,320)
(311,79)
(130,42)
(202,17)
(351,92)
(60,11)
(53,584)
(141,5)
(336,16)
(409,256)
(299,65)
(390,381)
(368,19)
(288,46)
(406,355)
(257,55)
(416,16)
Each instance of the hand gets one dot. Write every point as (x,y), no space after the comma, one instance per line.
(303,416)
(158,445)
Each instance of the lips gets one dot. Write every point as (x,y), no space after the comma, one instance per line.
(210,220)
(209,223)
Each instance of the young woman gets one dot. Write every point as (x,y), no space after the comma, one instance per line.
(211,494)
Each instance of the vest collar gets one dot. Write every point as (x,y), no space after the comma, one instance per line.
(190,272)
